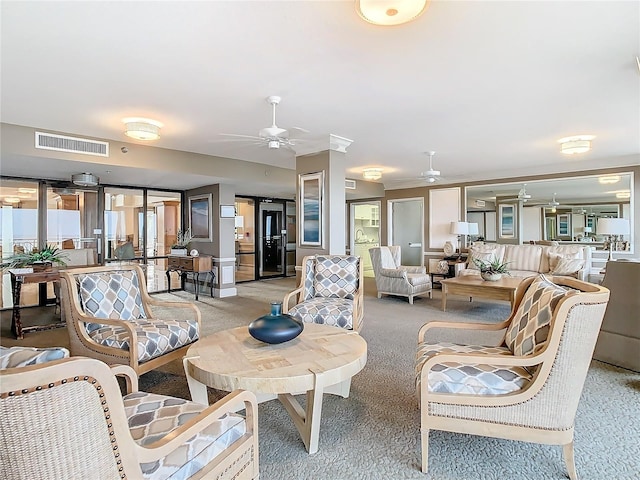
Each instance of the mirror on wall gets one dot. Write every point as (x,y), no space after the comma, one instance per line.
(564,210)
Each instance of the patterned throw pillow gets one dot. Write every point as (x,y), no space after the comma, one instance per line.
(111,295)
(565,264)
(530,326)
(336,276)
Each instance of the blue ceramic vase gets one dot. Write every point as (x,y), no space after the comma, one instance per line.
(275,327)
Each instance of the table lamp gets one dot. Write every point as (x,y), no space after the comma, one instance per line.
(612,227)
(459,229)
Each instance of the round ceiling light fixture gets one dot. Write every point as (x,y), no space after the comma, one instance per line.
(142,128)
(576,144)
(390,12)
(85,179)
(372,173)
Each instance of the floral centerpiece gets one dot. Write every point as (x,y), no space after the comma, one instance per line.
(39,259)
(181,245)
(492,270)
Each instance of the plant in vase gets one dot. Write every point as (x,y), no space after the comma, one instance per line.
(39,259)
(492,270)
(181,245)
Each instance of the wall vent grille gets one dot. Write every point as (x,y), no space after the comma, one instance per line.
(350,184)
(62,143)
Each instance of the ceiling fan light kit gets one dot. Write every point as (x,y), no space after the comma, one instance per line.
(390,12)
(142,128)
(576,144)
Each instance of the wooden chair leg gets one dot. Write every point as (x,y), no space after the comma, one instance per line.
(424,436)
(569,460)
(410,299)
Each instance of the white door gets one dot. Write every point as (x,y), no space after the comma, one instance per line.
(406,229)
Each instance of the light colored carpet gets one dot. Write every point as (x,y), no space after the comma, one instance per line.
(374,434)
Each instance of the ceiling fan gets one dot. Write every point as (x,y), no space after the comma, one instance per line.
(430,175)
(522,194)
(272,137)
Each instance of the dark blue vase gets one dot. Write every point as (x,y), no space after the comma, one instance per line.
(275,327)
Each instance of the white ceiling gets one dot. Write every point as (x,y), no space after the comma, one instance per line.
(489,85)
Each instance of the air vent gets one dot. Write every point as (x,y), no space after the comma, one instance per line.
(61,143)
(350,184)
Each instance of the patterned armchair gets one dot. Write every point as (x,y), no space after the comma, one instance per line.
(68,419)
(109,316)
(392,278)
(330,292)
(527,387)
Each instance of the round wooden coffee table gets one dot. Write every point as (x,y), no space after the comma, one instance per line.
(322,359)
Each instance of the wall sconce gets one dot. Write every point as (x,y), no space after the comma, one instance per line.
(372,173)
(142,128)
(576,144)
(390,12)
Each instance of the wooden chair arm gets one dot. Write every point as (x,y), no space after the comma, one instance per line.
(233,402)
(129,375)
(462,325)
(287,298)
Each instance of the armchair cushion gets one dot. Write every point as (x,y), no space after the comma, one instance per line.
(155,337)
(330,311)
(418,279)
(529,328)
(111,295)
(565,264)
(393,273)
(151,417)
(478,379)
(336,276)
(11,357)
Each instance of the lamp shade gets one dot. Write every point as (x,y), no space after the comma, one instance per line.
(473,228)
(613,226)
(459,228)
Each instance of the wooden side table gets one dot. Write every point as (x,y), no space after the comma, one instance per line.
(27,275)
(187,264)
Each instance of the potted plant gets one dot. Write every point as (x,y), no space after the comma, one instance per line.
(39,259)
(492,270)
(181,245)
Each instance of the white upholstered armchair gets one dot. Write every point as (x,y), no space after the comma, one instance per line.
(527,385)
(392,278)
(331,292)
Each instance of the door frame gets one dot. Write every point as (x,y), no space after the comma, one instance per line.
(390,222)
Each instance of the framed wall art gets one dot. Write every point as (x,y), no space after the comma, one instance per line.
(311,187)
(200,217)
(507,221)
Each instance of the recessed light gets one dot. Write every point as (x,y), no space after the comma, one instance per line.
(27,190)
(623,195)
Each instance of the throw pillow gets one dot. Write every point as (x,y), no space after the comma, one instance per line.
(565,264)
(568,266)
(336,276)
(530,325)
(485,257)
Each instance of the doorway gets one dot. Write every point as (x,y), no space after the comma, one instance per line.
(406,229)
(272,242)
(365,232)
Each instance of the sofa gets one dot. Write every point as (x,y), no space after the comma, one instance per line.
(528,260)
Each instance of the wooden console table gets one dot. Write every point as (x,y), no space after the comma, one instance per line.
(186,264)
(26,275)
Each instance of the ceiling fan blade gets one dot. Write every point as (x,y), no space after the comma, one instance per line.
(252,137)
(300,129)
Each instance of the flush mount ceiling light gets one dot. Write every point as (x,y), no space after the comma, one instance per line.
(623,195)
(390,12)
(609,179)
(142,128)
(85,179)
(576,144)
(372,173)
